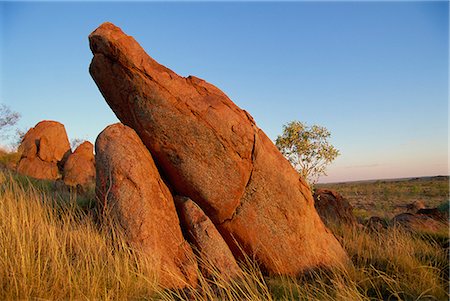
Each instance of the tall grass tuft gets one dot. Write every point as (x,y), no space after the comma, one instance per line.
(53,249)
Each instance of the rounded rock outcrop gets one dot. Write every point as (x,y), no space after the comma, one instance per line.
(44,150)
(79,168)
(333,208)
(130,191)
(211,151)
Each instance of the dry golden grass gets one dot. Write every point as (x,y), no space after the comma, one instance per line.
(51,249)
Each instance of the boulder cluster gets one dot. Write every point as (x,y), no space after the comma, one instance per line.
(335,210)
(416,217)
(45,154)
(187,176)
(188,172)
(190,180)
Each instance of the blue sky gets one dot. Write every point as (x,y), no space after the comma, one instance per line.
(374,73)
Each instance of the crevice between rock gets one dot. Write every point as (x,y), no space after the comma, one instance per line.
(247,184)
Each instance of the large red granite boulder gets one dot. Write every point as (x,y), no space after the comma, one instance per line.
(44,150)
(131,192)
(212,151)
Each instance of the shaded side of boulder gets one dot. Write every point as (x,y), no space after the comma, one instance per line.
(276,221)
(212,151)
(215,258)
(44,150)
(333,208)
(79,168)
(131,192)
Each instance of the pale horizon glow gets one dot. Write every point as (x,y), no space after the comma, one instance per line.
(375,74)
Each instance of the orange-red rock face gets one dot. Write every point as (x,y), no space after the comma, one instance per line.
(215,257)
(42,149)
(79,168)
(212,151)
(131,191)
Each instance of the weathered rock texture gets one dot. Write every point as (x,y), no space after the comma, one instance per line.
(132,192)
(79,168)
(44,149)
(212,151)
(215,258)
(333,208)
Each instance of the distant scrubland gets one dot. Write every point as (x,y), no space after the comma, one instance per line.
(386,198)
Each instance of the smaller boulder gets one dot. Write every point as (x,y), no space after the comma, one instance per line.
(434,213)
(132,193)
(216,259)
(44,150)
(333,208)
(419,223)
(376,223)
(414,206)
(79,168)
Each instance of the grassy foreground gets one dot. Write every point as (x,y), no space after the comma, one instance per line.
(52,249)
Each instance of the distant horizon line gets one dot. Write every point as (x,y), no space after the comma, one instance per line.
(386,179)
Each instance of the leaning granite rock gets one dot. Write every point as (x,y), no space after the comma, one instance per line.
(79,168)
(44,150)
(131,192)
(212,151)
(333,208)
(215,258)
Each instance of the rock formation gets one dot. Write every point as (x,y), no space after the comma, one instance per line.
(434,213)
(420,223)
(79,168)
(333,208)
(212,151)
(131,191)
(215,258)
(376,223)
(414,206)
(44,150)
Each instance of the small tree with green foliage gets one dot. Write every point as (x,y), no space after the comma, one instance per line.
(307,148)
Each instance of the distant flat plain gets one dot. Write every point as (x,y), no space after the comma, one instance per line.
(389,197)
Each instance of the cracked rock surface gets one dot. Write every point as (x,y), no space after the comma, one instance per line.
(215,257)
(211,151)
(44,149)
(131,191)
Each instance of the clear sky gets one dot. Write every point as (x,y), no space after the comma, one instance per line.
(374,73)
